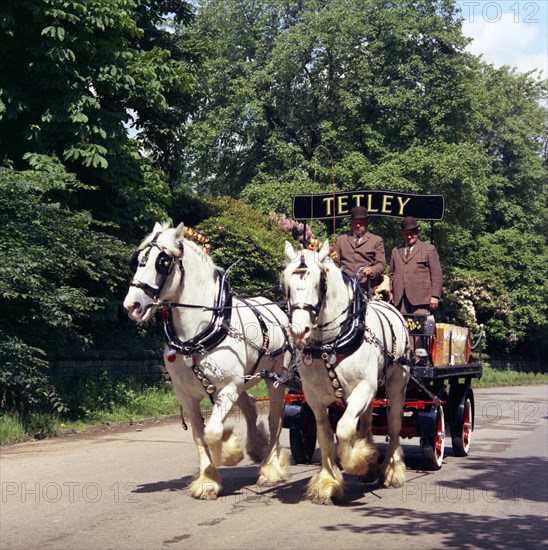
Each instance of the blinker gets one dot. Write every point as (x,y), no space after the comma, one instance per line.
(163,263)
(133,261)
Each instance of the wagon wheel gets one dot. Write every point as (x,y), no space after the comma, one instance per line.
(433,443)
(462,427)
(302,440)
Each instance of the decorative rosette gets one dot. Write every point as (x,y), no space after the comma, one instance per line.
(316,244)
(197,237)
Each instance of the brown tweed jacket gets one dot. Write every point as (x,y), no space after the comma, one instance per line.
(419,276)
(370,252)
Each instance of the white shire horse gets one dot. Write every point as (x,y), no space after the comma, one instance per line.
(344,354)
(217,346)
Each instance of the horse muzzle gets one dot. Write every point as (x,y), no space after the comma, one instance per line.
(138,311)
(302,319)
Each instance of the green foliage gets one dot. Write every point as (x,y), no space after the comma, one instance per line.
(12,429)
(76,74)
(238,231)
(372,94)
(58,272)
(92,401)
(359,78)
(104,398)
(505,294)
(493,377)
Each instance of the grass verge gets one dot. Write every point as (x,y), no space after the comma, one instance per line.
(130,405)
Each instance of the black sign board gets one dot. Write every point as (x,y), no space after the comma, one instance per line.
(378,203)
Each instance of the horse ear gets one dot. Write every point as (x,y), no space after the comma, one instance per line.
(290,253)
(179,231)
(157,228)
(179,235)
(324,251)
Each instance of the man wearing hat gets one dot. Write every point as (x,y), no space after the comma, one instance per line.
(415,272)
(361,249)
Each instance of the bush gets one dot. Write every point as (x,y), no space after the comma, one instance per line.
(239,231)
(58,282)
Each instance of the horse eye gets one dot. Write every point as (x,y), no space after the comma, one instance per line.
(162,263)
(134,261)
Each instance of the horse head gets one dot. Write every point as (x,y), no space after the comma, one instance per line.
(304,283)
(154,265)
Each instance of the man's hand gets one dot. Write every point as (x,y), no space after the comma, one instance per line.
(434,302)
(368,272)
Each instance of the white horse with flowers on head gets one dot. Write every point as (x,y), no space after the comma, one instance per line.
(217,346)
(347,346)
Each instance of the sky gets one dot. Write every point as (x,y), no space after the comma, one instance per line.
(508,32)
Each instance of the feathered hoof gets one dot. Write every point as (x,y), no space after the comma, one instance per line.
(324,489)
(231,453)
(393,476)
(358,458)
(204,488)
(274,472)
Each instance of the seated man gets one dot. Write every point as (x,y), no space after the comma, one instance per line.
(415,275)
(361,249)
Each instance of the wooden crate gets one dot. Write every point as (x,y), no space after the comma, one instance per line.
(450,345)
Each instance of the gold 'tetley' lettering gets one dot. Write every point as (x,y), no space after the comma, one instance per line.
(402,204)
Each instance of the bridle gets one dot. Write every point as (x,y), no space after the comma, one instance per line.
(313,309)
(164,265)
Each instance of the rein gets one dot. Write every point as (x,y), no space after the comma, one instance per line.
(213,334)
(352,328)
(217,331)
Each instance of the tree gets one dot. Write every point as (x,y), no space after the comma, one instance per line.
(361,78)
(373,94)
(60,272)
(74,74)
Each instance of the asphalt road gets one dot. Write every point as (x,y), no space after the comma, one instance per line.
(125,489)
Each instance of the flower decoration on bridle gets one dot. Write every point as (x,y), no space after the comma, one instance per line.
(316,244)
(197,237)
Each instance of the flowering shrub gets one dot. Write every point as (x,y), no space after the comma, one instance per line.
(298,231)
(479,304)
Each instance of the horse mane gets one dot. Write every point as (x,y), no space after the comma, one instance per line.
(200,251)
(173,246)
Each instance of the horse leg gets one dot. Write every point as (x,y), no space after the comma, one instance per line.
(207,482)
(224,446)
(393,466)
(327,486)
(365,431)
(357,455)
(274,467)
(257,439)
